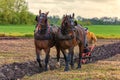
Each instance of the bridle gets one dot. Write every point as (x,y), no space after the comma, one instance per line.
(42,21)
(67,24)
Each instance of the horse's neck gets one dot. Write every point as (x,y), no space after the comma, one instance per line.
(80,26)
(63,31)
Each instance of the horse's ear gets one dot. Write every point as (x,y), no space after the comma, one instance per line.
(73,15)
(39,12)
(47,13)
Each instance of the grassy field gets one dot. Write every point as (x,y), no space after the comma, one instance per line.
(101,31)
(17,30)
(106,31)
(101,70)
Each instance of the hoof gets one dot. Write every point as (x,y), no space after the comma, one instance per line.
(47,68)
(40,68)
(66,69)
(79,67)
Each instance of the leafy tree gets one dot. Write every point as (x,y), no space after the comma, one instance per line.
(15,12)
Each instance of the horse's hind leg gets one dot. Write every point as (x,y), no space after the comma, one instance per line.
(38,58)
(64,54)
(58,57)
(80,57)
(47,51)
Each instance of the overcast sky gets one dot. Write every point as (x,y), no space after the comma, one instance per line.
(84,8)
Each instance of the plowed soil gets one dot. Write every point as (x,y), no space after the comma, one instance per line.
(17,56)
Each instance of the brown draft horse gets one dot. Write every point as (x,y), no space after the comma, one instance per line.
(44,38)
(68,37)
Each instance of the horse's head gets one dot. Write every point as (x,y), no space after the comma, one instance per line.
(67,23)
(42,21)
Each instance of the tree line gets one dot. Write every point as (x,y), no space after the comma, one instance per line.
(16,12)
(100,21)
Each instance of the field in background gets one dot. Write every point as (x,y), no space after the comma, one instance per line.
(16,30)
(101,31)
(106,31)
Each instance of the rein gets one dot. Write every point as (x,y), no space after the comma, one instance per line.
(44,34)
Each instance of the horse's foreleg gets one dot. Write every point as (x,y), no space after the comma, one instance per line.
(71,51)
(38,58)
(67,59)
(47,51)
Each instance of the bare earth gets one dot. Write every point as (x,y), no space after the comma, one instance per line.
(20,50)
(17,57)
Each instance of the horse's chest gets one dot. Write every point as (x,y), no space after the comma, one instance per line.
(43,44)
(68,43)
(74,42)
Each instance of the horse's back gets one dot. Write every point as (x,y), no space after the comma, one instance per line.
(80,32)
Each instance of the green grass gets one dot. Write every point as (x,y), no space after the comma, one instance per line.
(101,31)
(17,30)
(106,31)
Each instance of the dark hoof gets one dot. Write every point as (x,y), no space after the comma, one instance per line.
(66,69)
(40,65)
(46,69)
(41,69)
(79,67)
